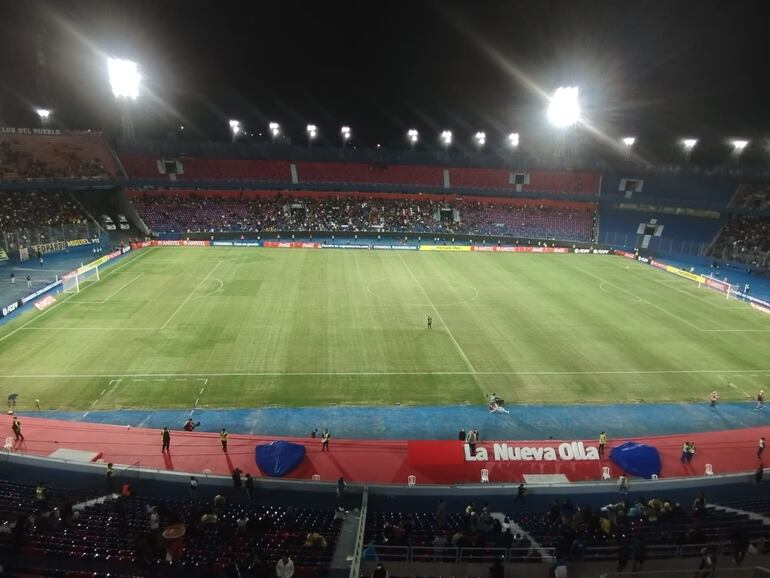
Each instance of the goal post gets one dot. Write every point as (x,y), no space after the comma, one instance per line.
(75,281)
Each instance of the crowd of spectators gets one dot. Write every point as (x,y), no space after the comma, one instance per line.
(39,158)
(212,213)
(31,209)
(134,532)
(745,240)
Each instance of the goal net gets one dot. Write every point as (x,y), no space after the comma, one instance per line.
(723,287)
(75,281)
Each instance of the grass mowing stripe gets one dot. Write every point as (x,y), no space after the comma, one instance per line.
(438,314)
(65,299)
(178,309)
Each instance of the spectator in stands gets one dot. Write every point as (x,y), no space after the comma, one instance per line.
(284,568)
(708,563)
(193,487)
(521,494)
(623,484)
(236,476)
(315,541)
(441,515)
(341,485)
(380,571)
(249,485)
(759,474)
(497,570)
(639,554)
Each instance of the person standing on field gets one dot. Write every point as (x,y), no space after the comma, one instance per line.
(29,281)
(166,437)
(430,322)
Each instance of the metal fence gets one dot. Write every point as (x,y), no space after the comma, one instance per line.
(47,239)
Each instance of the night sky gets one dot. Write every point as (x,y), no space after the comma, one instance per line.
(657,70)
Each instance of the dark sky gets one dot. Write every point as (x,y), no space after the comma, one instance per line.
(660,70)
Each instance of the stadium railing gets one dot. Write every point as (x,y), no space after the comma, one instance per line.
(462,555)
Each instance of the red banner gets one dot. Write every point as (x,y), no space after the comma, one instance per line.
(290,245)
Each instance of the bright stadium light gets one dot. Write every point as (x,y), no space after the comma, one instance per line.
(629,141)
(124,77)
(481,139)
(412,135)
(43,113)
(275,130)
(346,134)
(689,143)
(312,132)
(446,138)
(235,128)
(739,145)
(513,139)
(564,108)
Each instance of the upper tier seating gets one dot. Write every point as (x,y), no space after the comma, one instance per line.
(754,197)
(28,157)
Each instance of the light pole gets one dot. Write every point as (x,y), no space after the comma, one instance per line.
(629,142)
(446,139)
(346,134)
(125,81)
(412,135)
(689,144)
(312,133)
(275,130)
(481,140)
(45,116)
(235,128)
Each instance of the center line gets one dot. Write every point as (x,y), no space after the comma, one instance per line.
(438,315)
(178,309)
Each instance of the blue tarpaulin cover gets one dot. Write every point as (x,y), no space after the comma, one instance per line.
(277,459)
(636,459)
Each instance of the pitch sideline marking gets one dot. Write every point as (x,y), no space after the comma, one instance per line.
(65,299)
(178,309)
(438,315)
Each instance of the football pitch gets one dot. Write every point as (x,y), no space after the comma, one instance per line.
(194,327)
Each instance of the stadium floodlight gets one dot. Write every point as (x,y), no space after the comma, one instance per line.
(124,77)
(481,139)
(412,135)
(235,128)
(564,108)
(629,141)
(275,130)
(43,113)
(312,132)
(513,139)
(346,134)
(689,143)
(446,138)
(739,145)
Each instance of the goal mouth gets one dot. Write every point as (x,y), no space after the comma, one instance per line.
(79,279)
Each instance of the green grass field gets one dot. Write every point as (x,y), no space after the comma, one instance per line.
(232,327)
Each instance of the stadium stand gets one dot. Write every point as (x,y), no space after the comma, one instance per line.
(746,240)
(754,197)
(687,188)
(309,172)
(196,212)
(65,156)
(66,525)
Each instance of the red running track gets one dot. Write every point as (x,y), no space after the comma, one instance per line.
(381,461)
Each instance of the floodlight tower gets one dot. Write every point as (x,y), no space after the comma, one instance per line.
(689,144)
(235,128)
(346,134)
(446,139)
(412,135)
(481,139)
(628,143)
(45,116)
(513,140)
(125,81)
(564,113)
(738,146)
(275,130)
(312,133)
